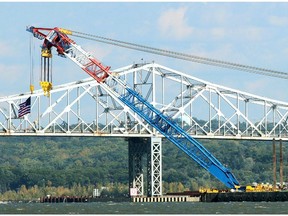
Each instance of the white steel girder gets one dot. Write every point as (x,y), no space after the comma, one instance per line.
(155,167)
(203,109)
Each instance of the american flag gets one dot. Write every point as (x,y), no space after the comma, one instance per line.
(25,108)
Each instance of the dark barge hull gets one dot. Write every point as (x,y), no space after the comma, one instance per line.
(245,197)
(67,199)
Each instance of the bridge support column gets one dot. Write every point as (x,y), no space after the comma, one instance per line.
(154,167)
(136,151)
(138,148)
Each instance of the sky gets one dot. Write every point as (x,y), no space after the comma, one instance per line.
(254,34)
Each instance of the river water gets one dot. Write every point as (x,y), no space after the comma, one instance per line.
(146,208)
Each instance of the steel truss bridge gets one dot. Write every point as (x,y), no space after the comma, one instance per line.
(202,109)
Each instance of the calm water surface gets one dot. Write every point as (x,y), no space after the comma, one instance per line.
(145,208)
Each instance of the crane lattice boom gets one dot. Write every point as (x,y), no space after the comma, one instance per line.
(58,38)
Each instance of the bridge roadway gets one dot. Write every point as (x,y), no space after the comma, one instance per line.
(203,109)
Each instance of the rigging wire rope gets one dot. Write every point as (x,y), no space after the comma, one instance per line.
(183,56)
(31,53)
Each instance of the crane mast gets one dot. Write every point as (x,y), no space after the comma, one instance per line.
(57,37)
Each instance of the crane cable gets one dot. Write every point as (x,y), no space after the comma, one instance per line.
(183,56)
(31,52)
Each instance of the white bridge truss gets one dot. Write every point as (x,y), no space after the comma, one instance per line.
(203,109)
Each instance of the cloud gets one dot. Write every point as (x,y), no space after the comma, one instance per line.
(247,33)
(10,73)
(13,80)
(262,85)
(278,21)
(218,32)
(173,23)
(99,51)
(257,86)
(6,49)
(251,33)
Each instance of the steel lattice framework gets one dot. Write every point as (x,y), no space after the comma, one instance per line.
(202,109)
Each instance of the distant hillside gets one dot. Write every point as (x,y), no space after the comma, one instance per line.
(64,161)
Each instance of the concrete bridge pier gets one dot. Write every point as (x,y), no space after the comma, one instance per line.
(149,150)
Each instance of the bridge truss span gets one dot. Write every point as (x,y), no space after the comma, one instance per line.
(202,109)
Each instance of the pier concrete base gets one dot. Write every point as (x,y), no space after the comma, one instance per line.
(166,199)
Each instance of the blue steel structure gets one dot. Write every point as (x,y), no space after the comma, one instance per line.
(58,38)
(173,132)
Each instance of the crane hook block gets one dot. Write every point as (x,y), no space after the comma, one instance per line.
(31,88)
(46,53)
(46,70)
(46,86)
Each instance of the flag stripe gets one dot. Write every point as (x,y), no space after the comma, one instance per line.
(25,108)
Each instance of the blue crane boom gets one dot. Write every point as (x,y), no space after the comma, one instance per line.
(173,132)
(66,47)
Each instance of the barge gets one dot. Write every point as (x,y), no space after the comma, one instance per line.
(278,196)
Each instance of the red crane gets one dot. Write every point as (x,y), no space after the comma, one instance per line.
(57,37)
(66,47)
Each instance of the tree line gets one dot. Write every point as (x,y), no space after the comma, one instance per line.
(36,163)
